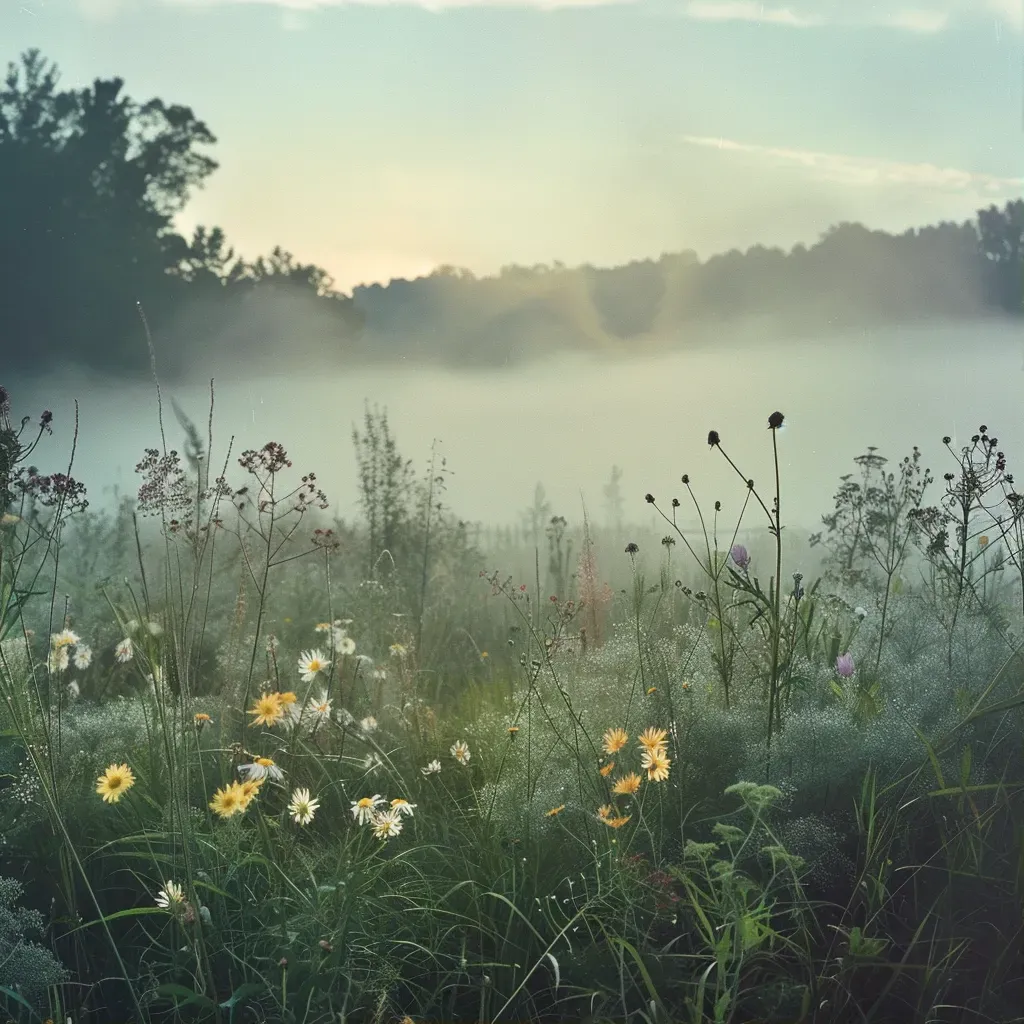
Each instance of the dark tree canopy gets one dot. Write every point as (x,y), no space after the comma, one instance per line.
(90,182)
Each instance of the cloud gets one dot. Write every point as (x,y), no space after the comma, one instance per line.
(307,6)
(933,17)
(862,172)
(747,10)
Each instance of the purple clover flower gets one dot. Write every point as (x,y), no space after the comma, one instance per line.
(740,556)
(844,665)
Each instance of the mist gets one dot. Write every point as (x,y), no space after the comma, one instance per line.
(565,421)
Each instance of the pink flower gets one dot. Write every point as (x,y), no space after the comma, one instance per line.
(844,665)
(740,556)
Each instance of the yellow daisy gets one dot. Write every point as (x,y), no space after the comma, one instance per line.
(229,800)
(555,810)
(652,739)
(656,763)
(617,822)
(627,785)
(267,710)
(615,740)
(607,769)
(113,783)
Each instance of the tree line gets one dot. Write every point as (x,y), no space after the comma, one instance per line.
(91,180)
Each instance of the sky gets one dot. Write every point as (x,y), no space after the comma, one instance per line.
(382,139)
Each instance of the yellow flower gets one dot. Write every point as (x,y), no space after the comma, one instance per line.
(484,654)
(607,769)
(512,730)
(656,762)
(229,800)
(615,740)
(651,689)
(114,782)
(248,790)
(983,541)
(555,810)
(288,697)
(627,785)
(605,812)
(652,739)
(267,710)
(201,718)
(617,822)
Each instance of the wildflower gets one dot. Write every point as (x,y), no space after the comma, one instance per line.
(363,809)
(125,650)
(651,689)
(319,709)
(58,659)
(512,730)
(861,613)
(113,783)
(372,762)
(248,791)
(685,685)
(460,751)
(607,769)
(627,785)
(604,812)
(617,822)
(74,689)
(290,708)
(229,800)
(368,724)
(982,541)
(554,811)
(65,638)
(155,629)
(323,627)
(261,768)
(83,656)
(201,718)
(402,806)
(267,710)
(311,663)
(303,806)
(432,768)
(387,824)
(483,655)
(398,650)
(656,763)
(844,665)
(614,740)
(170,896)
(740,556)
(346,645)
(652,739)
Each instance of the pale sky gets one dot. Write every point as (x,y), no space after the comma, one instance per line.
(382,139)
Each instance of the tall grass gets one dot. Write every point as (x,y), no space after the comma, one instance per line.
(265,765)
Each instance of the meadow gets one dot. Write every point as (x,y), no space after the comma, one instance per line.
(262,764)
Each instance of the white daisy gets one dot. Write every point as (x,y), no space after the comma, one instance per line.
(387,824)
(402,806)
(303,806)
(260,769)
(311,663)
(460,751)
(432,768)
(125,650)
(368,724)
(83,656)
(364,808)
(170,896)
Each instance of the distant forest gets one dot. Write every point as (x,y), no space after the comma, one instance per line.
(90,183)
